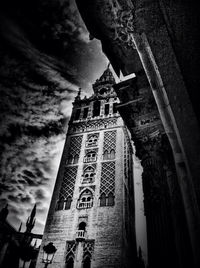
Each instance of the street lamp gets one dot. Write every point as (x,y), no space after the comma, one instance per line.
(48,253)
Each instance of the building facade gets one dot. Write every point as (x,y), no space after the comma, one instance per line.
(160,38)
(91,218)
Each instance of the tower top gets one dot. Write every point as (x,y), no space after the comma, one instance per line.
(103,85)
(106,78)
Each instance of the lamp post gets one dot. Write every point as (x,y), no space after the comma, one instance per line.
(48,253)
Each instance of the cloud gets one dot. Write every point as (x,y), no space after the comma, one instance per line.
(45,56)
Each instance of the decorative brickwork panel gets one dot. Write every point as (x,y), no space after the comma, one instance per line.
(107,178)
(88,247)
(75,145)
(93,125)
(109,140)
(68,183)
(70,248)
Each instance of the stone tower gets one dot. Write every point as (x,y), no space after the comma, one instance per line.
(91,217)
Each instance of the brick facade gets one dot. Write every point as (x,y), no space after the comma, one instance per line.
(91,216)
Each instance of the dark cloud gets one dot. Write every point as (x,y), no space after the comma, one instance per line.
(45,56)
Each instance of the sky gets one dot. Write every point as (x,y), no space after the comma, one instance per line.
(45,56)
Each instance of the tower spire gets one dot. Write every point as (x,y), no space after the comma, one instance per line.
(78,96)
(4,213)
(31,220)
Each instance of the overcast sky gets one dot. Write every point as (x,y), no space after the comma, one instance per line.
(45,56)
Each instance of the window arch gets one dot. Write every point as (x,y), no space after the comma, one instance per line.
(90,156)
(112,154)
(109,155)
(92,140)
(76,157)
(82,226)
(85,200)
(110,201)
(60,204)
(107,200)
(88,176)
(68,203)
(70,159)
(105,155)
(103,200)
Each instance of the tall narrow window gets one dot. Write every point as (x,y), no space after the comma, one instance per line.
(105,155)
(77,114)
(87,262)
(70,262)
(76,159)
(70,159)
(112,154)
(85,112)
(60,204)
(96,108)
(103,200)
(106,109)
(110,201)
(68,203)
(114,107)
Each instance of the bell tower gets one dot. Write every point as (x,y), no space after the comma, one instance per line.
(91,217)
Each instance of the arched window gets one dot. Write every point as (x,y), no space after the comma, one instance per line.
(70,159)
(85,200)
(110,201)
(103,200)
(76,159)
(87,262)
(82,226)
(88,175)
(60,204)
(90,157)
(105,155)
(96,108)
(68,203)
(112,154)
(92,141)
(70,262)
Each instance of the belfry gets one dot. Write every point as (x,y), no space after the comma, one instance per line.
(91,219)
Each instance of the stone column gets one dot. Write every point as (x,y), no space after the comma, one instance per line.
(177,140)
(79,255)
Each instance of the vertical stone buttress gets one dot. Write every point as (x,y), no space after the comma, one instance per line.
(91,217)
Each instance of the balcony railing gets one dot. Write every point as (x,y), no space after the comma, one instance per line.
(80,235)
(90,144)
(87,204)
(90,159)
